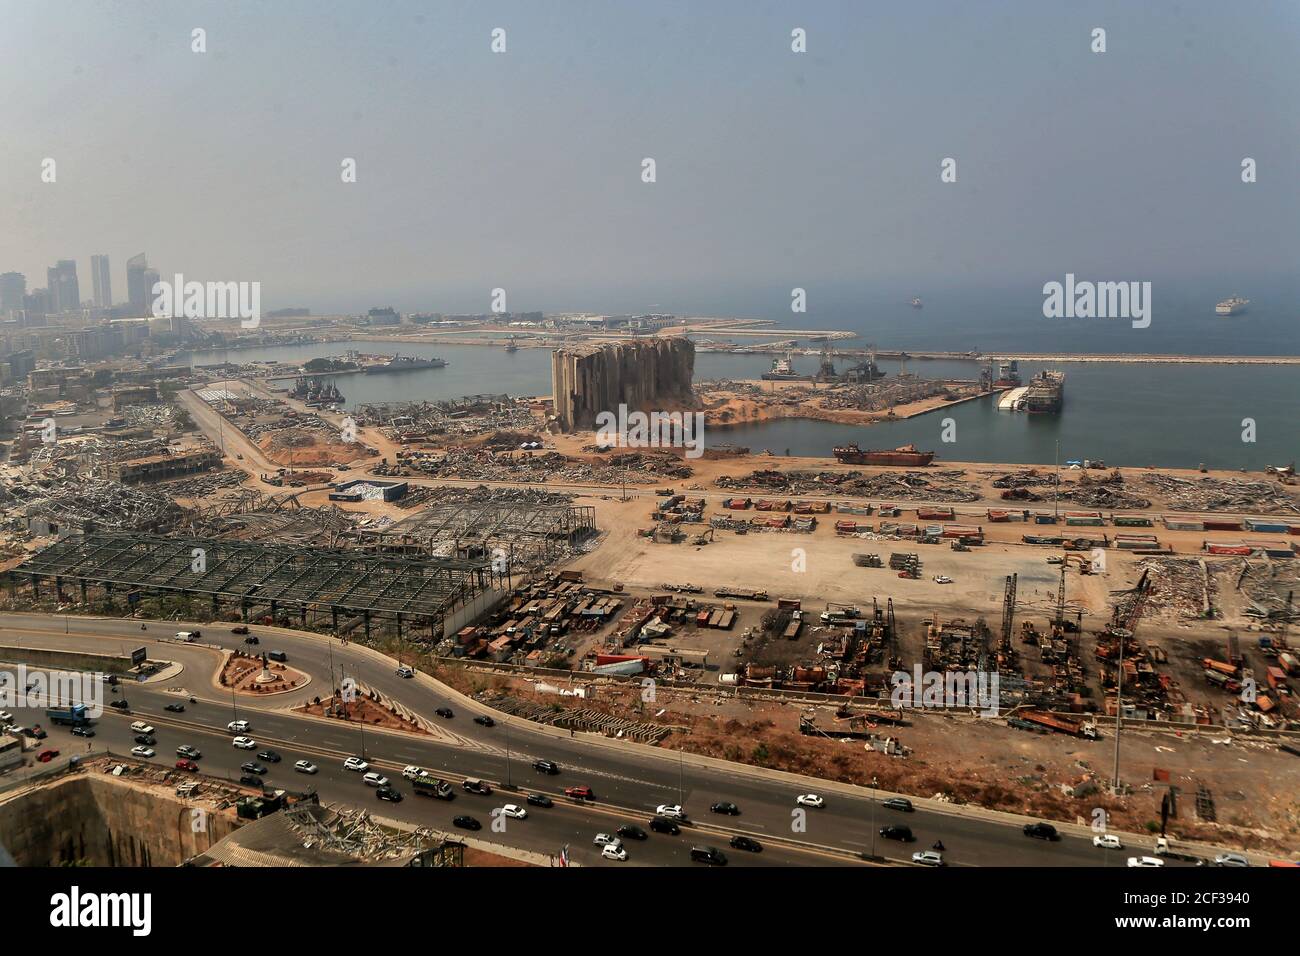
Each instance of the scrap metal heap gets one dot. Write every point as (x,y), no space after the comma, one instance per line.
(908,486)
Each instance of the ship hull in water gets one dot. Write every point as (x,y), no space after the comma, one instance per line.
(904,457)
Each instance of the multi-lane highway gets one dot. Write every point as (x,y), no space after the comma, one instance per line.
(628,780)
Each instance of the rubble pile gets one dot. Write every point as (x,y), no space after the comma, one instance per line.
(905,486)
(483,465)
(1222,494)
(458,418)
(1265,586)
(90,504)
(1182,586)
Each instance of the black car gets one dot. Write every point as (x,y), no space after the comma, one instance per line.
(280,656)
(485,721)
(632,832)
(250,780)
(120,705)
(664,825)
(546,766)
(253,767)
(746,843)
(145,739)
(251,640)
(1041,831)
(467,823)
(902,834)
(390,794)
(898,803)
(730,809)
(175,708)
(708,854)
(539,800)
(445,712)
(270,756)
(82,732)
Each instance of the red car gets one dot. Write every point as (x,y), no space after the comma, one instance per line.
(189,765)
(579,793)
(45,756)
(241,629)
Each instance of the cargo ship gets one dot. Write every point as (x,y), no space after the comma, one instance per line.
(1008,375)
(1233,306)
(1045,393)
(783,371)
(405,363)
(904,455)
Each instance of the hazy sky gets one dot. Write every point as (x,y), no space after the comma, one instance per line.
(523,170)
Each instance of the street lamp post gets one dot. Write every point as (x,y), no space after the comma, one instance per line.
(873,818)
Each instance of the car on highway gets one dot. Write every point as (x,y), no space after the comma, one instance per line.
(6,718)
(356,764)
(238,727)
(175,708)
(140,727)
(467,823)
(899,833)
(809,800)
(270,756)
(189,765)
(185,750)
(1041,831)
(748,844)
(475,785)
(673,811)
(1231,859)
(708,854)
(142,751)
(374,779)
(239,629)
(390,794)
(145,739)
(611,852)
(928,858)
(1145,861)
(122,704)
(244,743)
(45,756)
(483,720)
(305,766)
(606,839)
(513,811)
(253,766)
(1107,841)
(251,640)
(279,656)
(539,800)
(579,793)
(412,772)
(445,713)
(664,825)
(82,731)
(36,733)
(405,671)
(250,780)
(632,832)
(898,803)
(549,767)
(727,809)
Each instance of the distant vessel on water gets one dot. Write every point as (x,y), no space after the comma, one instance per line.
(1008,375)
(1045,393)
(510,345)
(783,371)
(405,363)
(916,302)
(1233,306)
(904,455)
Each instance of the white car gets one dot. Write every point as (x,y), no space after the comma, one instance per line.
(238,726)
(6,717)
(513,811)
(414,773)
(357,764)
(373,779)
(140,727)
(1108,841)
(809,800)
(604,839)
(928,858)
(1145,861)
(1231,859)
(141,752)
(305,766)
(672,811)
(612,851)
(405,671)
(942,579)
(245,743)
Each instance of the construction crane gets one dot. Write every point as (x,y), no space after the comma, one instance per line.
(1009,611)
(1123,625)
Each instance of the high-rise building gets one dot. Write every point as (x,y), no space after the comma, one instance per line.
(103,284)
(13,286)
(65,296)
(138,293)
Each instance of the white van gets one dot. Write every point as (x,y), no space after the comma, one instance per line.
(185,635)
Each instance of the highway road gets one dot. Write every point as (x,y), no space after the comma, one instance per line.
(628,780)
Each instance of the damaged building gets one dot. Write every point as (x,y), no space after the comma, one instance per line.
(646,375)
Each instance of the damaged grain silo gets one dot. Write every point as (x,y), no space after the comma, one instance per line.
(645,375)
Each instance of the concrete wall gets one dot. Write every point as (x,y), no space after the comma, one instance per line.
(94,819)
(645,375)
(65,660)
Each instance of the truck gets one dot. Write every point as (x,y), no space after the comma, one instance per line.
(748,594)
(70,716)
(1065,725)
